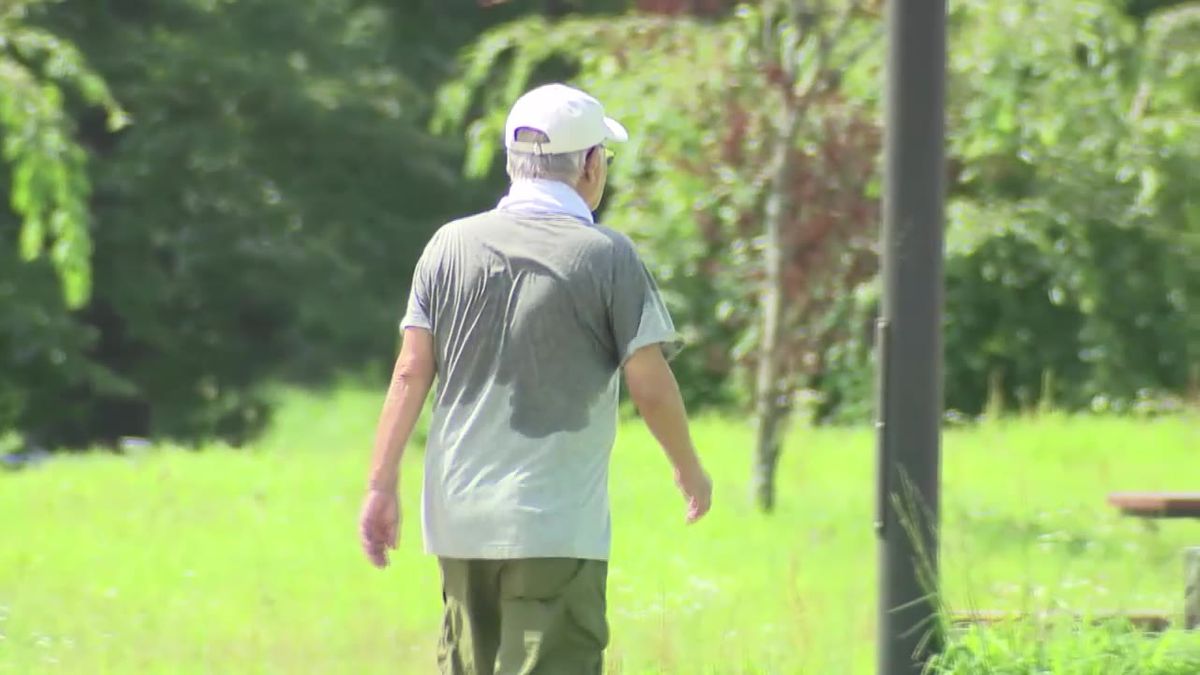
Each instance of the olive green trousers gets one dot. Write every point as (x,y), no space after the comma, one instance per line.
(532,616)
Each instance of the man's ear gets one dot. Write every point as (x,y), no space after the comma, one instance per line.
(591,163)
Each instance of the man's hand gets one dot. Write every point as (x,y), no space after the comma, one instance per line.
(379,525)
(696,487)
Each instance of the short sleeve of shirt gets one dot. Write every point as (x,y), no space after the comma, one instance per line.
(638,314)
(419,313)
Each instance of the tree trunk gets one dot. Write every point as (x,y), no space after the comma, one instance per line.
(771,391)
(770,411)
(772,419)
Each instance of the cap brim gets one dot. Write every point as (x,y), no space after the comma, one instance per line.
(616,132)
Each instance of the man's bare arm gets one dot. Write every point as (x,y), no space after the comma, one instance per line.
(412,378)
(379,521)
(655,392)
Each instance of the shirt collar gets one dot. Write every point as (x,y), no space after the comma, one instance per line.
(546,196)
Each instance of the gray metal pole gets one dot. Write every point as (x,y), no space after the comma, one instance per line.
(910,344)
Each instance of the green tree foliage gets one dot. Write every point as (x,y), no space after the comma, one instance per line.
(749,180)
(49,186)
(692,184)
(1074,219)
(1071,271)
(43,174)
(258,220)
(259,217)
(1072,263)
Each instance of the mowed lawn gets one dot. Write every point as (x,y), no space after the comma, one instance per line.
(247,561)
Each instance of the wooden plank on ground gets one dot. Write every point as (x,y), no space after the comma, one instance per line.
(1157,504)
(1151,621)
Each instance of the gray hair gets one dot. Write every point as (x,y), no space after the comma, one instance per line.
(565,167)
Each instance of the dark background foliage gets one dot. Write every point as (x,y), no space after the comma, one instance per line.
(257,219)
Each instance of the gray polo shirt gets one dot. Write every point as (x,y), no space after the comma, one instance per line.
(532,314)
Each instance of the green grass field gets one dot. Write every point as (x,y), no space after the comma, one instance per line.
(247,561)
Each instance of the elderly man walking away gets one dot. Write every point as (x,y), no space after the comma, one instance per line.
(526,314)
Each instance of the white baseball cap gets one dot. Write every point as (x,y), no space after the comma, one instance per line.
(571,120)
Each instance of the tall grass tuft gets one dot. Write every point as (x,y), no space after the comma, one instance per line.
(1034,644)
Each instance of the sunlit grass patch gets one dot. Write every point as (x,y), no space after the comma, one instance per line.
(247,561)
